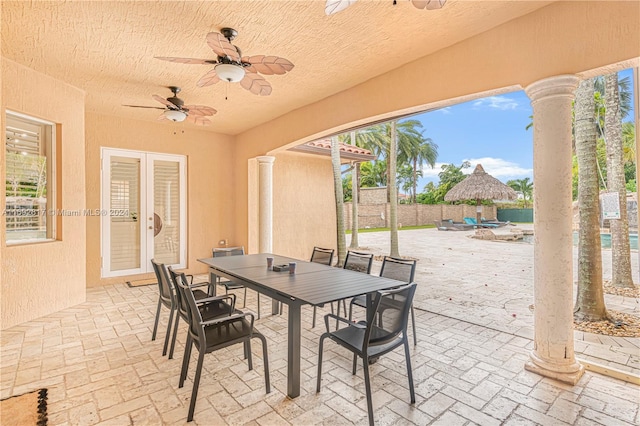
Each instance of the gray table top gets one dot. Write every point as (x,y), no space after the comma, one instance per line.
(313,283)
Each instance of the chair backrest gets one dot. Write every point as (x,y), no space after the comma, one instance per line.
(398,269)
(470,221)
(227,251)
(357,261)
(322,255)
(164,284)
(176,278)
(390,315)
(193,315)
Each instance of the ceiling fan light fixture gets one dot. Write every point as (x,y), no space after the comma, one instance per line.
(175,115)
(230,72)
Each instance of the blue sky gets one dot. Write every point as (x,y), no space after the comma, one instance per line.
(490,131)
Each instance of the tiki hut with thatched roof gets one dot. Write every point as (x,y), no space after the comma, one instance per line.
(479,186)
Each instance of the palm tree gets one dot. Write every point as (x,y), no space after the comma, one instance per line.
(391,188)
(620,247)
(337,183)
(373,174)
(355,188)
(524,187)
(629,142)
(590,295)
(425,152)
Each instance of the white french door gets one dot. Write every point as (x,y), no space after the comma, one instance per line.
(143,211)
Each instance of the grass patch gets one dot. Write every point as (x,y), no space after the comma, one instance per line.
(404,228)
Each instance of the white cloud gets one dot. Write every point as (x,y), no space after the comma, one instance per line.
(427,171)
(445,110)
(498,102)
(499,168)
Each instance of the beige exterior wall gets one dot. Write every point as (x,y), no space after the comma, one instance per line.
(38,279)
(210,182)
(557,39)
(304,209)
(377,215)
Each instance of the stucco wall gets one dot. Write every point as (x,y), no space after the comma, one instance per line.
(210,182)
(304,212)
(557,39)
(38,279)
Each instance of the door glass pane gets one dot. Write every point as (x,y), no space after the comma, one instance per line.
(166,204)
(125,228)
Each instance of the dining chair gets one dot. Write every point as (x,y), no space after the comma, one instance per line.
(210,306)
(384,331)
(214,334)
(325,257)
(359,262)
(229,284)
(403,270)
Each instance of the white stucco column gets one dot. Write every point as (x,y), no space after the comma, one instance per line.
(265,204)
(553,353)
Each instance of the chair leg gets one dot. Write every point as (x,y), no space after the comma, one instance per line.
(355,364)
(249,354)
(265,357)
(175,333)
(413,324)
(166,339)
(350,310)
(185,361)
(155,325)
(244,299)
(367,387)
(409,371)
(196,384)
(320,361)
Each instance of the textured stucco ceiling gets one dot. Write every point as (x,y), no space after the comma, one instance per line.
(108,48)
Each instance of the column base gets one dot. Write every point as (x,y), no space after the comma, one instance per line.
(566,373)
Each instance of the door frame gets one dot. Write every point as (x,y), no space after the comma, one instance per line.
(146,205)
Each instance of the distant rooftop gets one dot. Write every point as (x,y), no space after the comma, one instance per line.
(323,147)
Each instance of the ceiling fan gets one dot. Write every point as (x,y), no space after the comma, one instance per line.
(231,66)
(176,110)
(335,6)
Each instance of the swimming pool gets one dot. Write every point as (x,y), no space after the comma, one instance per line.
(605,240)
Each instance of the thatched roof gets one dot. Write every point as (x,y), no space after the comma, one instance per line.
(480,185)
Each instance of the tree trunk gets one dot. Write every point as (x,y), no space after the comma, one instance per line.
(337,184)
(590,296)
(354,199)
(393,192)
(415,180)
(620,247)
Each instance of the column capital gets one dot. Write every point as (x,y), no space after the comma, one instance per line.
(266,159)
(559,85)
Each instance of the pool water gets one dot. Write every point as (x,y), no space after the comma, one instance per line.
(605,240)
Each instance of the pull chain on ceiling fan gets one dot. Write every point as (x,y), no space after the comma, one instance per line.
(231,66)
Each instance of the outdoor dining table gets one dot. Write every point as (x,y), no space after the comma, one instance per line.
(312,284)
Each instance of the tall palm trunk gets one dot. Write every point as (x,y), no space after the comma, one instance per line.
(355,187)
(620,247)
(337,184)
(590,296)
(415,180)
(393,191)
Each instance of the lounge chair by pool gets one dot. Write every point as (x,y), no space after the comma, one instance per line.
(474,222)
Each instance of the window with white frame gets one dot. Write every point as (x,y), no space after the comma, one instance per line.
(30,179)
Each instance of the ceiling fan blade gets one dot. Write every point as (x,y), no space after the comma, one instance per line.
(428,4)
(163,101)
(208,79)
(199,110)
(268,65)
(198,120)
(256,84)
(335,6)
(141,106)
(221,46)
(188,60)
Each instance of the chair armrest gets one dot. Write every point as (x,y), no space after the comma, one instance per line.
(231,297)
(190,277)
(230,318)
(351,323)
(202,284)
